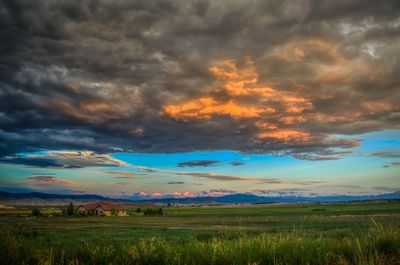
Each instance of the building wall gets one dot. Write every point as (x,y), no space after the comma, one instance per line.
(122,213)
(99,211)
(107,213)
(81,210)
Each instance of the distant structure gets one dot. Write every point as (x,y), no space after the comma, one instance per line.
(101,209)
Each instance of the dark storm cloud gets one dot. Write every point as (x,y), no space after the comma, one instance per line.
(178,76)
(198,163)
(31,161)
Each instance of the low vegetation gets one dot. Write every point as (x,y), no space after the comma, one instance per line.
(338,234)
(153,211)
(36,212)
(70,209)
(381,245)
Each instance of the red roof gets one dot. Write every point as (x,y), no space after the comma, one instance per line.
(104,205)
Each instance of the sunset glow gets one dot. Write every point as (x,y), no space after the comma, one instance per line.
(137,100)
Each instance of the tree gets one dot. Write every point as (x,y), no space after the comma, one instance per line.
(35,212)
(113,212)
(70,209)
(155,211)
(138,210)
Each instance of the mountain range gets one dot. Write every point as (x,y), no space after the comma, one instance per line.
(39,198)
(33,198)
(251,198)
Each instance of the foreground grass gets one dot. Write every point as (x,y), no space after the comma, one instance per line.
(340,233)
(380,245)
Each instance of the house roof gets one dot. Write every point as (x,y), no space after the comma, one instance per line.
(104,205)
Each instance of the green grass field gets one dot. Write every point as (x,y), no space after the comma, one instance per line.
(351,233)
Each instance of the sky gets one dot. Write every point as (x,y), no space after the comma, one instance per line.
(149,99)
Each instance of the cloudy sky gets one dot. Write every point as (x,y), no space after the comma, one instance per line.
(184,98)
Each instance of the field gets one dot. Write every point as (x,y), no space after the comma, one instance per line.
(348,233)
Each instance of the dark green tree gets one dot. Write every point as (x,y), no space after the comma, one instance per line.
(70,209)
(151,211)
(113,212)
(138,210)
(35,212)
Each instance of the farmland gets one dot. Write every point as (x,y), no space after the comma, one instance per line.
(346,233)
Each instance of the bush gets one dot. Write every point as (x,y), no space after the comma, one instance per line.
(35,212)
(113,212)
(155,211)
(71,209)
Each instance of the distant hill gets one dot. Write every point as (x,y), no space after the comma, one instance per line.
(37,198)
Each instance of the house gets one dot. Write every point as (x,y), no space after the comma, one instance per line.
(101,208)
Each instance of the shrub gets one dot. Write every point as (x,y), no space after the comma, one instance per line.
(113,212)
(70,209)
(35,212)
(155,211)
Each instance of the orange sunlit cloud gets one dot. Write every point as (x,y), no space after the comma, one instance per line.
(179,194)
(237,84)
(285,135)
(283,108)
(207,107)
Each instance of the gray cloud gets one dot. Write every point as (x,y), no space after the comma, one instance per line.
(283,192)
(217,192)
(220,177)
(386,154)
(387,189)
(64,159)
(49,180)
(350,186)
(44,173)
(310,182)
(122,183)
(237,163)
(198,163)
(393,164)
(123,174)
(175,182)
(78,76)
(32,161)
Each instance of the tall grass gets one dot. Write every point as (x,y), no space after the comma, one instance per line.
(380,245)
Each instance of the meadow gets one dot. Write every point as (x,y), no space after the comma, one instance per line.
(345,233)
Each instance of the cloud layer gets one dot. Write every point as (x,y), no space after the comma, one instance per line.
(65,159)
(280,77)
